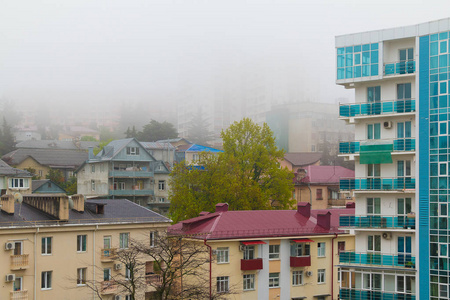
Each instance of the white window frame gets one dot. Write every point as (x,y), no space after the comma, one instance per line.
(274,252)
(108,270)
(122,244)
(161,185)
(297,278)
(20,288)
(132,151)
(81,240)
(127,273)
(321,249)
(46,241)
(18,183)
(153,235)
(81,276)
(321,276)
(223,284)
(274,280)
(248,282)
(92,168)
(46,280)
(249,252)
(371,246)
(92,185)
(223,255)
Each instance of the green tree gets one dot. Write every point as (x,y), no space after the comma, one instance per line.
(88,138)
(155,130)
(246,175)
(101,145)
(33,172)
(131,133)
(198,129)
(7,143)
(56,176)
(70,186)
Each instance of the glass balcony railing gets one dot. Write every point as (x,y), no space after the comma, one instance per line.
(377,108)
(131,192)
(377,184)
(400,145)
(377,259)
(399,68)
(405,222)
(352,294)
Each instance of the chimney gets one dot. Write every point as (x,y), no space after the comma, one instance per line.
(90,152)
(221,207)
(78,202)
(324,220)
(56,205)
(350,205)
(7,204)
(304,208)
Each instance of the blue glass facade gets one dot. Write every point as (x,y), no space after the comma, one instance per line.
(357,61)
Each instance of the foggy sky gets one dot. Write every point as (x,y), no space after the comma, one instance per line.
(114,50)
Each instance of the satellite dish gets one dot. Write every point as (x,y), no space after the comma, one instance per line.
(18,197)
(71,205)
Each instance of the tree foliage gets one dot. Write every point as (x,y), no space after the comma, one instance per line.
(198,130)
(7,143)
(88,138)
(246,175)
(155,130)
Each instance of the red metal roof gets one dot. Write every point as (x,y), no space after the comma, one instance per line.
(302,241)
(246,243)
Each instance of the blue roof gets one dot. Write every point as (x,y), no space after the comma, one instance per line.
(200,148)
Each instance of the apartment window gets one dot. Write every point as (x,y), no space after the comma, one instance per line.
(46,280)
(153,235)
(249,282)
(124,240)
(107,242)
(128,297)
(132,151)
(319,194)
(321,249)
(321,276)
(341,246)
(249,252)
(373,94)
(46,248)
(274,280)
(300,249)
(222,255)
(373,206)
(93,185)
(121,186)
(127,273)
(403,91)
(195,157)
(161,185)
(374,243)
(18,183)
(373,170)
(81,243)
(162,200)
(42,174)
(222,284)
(81,276)
(274,251)
(107,274)
(297,277)
(18,284)
(373,131)
(93,169)
(371,281)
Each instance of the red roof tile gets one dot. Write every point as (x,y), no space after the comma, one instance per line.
(326,174)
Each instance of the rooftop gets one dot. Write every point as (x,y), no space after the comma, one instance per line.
(326,174)
(48,157)
(7,170)
(299,159)
(53,144)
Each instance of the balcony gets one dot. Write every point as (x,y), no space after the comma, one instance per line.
(351,294)
(399,145)
(251,264)
(377,184)
(19,262)
(108,255)
(377,259)
(108,287)
(300,261)
(130,192)
(130,174)
(19,295)
(377,108)
(399,68)
(153,279)
(394,222)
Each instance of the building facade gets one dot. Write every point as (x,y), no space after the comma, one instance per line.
(401,82)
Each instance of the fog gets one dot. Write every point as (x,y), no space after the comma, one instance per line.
(96,53)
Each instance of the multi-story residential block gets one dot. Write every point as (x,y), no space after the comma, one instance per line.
(14,180)
(401,82)
(271,254)
(122,169)
(53,251)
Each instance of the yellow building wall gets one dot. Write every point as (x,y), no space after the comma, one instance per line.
(31,163)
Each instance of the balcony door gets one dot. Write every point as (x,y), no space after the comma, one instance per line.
(403,103)
(403,209)
(374,98)
(404,174)
(404,141)
(373,177)
(406,64)
(18,248)
(404,250)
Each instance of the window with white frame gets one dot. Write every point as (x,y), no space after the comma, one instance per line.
(132,151)
(222,255)
(161,185)
(127,273)
(162,199)
(321,276)
(222,284)
(106,274)
(18,284)
(274,280)
(121,185)
(274,251)
(81,276)
(195,157)
(300,249)
(297,277)
(46,248)
(93,185)
(18,183)
(46,280)
(153,235)
(371,281)
(81,243)
(249,252)
(249,282)
(128,297)
(406,284)
(92,168)
(374,243)
(124,239)
(373,206)
(321,249)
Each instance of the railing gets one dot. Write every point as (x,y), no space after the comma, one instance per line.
(19,262)
(108,254)
(130,174)
(19,295)
(400,145)
(251,264)
(153,279)
(377,108)
(131,192)
(385,260)
(405,222)
(351,294)
(108,287)
(400,67)
(300,261)
(377,184)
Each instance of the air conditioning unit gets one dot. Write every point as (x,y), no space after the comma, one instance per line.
(387,124)
(117,267)
(309,273)
(10,246)
(241,247)
(387,235)
(214,252)
(10,277)
(117,297)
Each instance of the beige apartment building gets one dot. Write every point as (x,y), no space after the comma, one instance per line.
(53,248)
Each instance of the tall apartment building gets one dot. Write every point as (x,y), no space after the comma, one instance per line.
(401,152)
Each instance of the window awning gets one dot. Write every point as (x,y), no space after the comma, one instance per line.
(302,241)
(375,153)
(246,243)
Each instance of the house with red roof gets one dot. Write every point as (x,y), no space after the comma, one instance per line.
(271,254)
(319,185)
